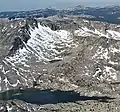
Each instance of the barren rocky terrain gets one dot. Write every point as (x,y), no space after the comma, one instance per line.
(59,64)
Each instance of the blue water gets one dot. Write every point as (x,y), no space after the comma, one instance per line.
(36,96)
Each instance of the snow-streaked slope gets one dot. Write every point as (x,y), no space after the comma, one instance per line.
(45,44)
(106,56)
(106,71)
(85,32)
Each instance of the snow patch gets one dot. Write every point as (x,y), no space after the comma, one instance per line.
(110,73)
(102,53)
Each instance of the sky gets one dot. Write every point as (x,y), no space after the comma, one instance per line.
(18,5)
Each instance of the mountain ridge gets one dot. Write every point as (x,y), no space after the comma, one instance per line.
(107,14)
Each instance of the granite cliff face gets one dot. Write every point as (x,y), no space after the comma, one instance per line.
(64,53)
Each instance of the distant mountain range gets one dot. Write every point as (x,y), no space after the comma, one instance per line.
(108,14)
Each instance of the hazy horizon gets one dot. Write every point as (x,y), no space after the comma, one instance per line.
(23,5)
